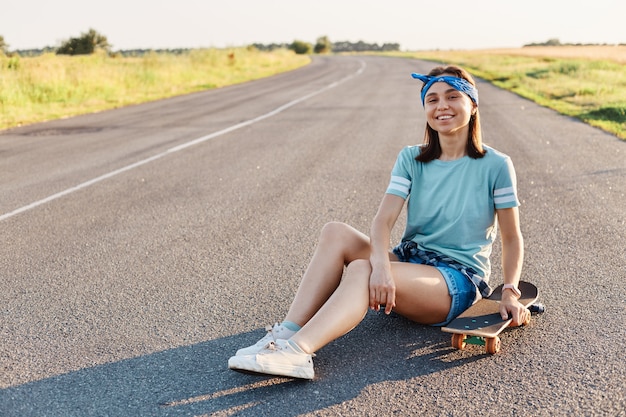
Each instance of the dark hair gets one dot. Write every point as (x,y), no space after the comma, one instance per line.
(431,149)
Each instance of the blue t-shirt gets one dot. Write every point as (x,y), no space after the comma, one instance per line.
(451,204)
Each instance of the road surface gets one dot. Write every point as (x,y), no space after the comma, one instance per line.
(141,247)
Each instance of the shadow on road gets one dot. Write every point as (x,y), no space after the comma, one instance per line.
(195,380)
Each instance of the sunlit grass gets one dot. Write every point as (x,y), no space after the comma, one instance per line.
(52,86)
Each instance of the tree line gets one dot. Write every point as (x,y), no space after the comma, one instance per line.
(92,41)
(87,43)
(324,45)
(557,42)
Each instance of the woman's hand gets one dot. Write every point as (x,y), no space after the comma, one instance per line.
(382,290)
(511,308)
(382,287)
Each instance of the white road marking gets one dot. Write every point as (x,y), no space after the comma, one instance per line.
(180,147)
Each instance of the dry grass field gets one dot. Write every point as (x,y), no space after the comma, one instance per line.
(46,87)
(610,53)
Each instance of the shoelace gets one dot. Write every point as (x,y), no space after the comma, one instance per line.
(270,329)
(273,346)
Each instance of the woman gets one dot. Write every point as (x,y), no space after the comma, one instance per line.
(458,188)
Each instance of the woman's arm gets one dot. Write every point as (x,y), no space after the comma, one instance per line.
(382,286)
(512,260)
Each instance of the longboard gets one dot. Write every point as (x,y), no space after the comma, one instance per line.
(482,323)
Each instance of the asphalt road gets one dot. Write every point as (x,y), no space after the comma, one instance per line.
(141,247)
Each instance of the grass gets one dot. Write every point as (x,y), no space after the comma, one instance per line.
(52,86)
(585,82)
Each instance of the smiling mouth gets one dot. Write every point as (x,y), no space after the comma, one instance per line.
(444,117)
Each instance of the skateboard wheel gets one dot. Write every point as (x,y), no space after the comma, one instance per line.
(492,344)
(458,341)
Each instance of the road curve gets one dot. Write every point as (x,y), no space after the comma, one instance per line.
(142,246)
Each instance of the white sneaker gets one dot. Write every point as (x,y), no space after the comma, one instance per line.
(273,333)
(277,358)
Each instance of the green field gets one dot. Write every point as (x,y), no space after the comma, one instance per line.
(588,83)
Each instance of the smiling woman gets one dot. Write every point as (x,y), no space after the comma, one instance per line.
(453,198)
(450,102)
(449,113)
(52,86)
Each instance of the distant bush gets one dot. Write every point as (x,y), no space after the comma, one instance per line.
(323,45)
(87,44)
(301,47)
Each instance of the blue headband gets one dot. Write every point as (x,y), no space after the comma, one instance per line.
(458,84)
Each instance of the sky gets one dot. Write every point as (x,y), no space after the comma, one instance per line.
(415,25)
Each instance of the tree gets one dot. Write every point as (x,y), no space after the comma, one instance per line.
(301,47)
(4,47)
(323,45)
(87,44)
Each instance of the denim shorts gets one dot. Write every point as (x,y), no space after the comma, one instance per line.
(462,291)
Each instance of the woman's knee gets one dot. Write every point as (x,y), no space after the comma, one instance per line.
(346,239)
(335,230)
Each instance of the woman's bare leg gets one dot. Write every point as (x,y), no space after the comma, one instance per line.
(421,295)
(339,244)
(345,308)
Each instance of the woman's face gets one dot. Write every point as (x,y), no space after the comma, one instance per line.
(447,109)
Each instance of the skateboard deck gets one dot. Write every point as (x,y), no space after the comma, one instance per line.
(481,323)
